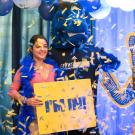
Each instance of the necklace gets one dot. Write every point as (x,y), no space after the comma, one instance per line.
(39,67)
(43,70)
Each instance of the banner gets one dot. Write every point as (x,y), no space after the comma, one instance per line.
(67,105)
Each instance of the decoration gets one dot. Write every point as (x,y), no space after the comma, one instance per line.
(102,12)
(71,1)
(90,5)
(124,94)
(44,10)
(50,2)
(5,7)
(126,5)
(113,3)
(27,3)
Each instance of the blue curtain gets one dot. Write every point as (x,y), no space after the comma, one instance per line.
(5,71)
(31,24)
(111,34)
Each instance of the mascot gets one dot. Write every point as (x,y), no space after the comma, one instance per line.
(76,57)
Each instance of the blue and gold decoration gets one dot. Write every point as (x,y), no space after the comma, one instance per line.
(122,96)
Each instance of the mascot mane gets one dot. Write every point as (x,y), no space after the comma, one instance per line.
(70,25)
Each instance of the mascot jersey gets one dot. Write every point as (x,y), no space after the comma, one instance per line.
(82,63)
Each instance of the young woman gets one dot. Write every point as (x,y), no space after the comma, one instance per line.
(33,69)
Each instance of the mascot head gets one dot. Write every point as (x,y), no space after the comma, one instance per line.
(70,25)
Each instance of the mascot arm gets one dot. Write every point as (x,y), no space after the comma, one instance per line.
(108,61)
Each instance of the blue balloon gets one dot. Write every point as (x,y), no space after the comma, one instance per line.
(90,5)
(49,2)
(5,6)
(46,10)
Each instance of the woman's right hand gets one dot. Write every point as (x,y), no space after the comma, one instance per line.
(34,101)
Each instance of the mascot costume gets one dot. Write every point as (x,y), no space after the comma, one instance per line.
(75,56)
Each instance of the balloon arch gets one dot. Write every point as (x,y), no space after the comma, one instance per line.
(98,9)
(44,6)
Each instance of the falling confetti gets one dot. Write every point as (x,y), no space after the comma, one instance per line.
(31,25)
(113,26)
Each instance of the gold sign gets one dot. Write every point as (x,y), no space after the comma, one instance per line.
(67,105)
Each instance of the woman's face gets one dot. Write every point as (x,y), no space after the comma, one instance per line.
(40,49)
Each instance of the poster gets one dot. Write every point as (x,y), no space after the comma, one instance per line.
(67,105)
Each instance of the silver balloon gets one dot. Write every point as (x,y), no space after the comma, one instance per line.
(27,3)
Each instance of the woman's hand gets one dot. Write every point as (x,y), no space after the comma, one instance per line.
(34,101)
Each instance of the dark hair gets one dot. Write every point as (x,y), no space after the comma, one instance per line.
(35,37)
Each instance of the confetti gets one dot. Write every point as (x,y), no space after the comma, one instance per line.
(10,113)
(108,60)
(23,125)
(96,73)
(64,10)
(72,75)
(92,19)
(90,38)
(113,26)
(63,54)
(21,130)
(65,24)
(78,22)
(51,9)
(31,25)
(60,78)
(12,71)
(53,37)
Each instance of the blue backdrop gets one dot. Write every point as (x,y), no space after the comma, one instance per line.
(111,34)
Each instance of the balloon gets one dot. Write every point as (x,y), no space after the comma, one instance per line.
(90,5)
(71,1)
(102,12)
(113,3)
(49,2)
(5,7)
(27,3)
(46,10)
(126,5)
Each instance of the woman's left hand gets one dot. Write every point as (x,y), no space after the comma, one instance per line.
(34,101)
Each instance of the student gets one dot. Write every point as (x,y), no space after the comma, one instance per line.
(33,69)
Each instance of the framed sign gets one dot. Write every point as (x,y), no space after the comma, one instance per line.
(67,105)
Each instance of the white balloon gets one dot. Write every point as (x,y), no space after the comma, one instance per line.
(126,5)
(102,12)
(113,3)
(27,3)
